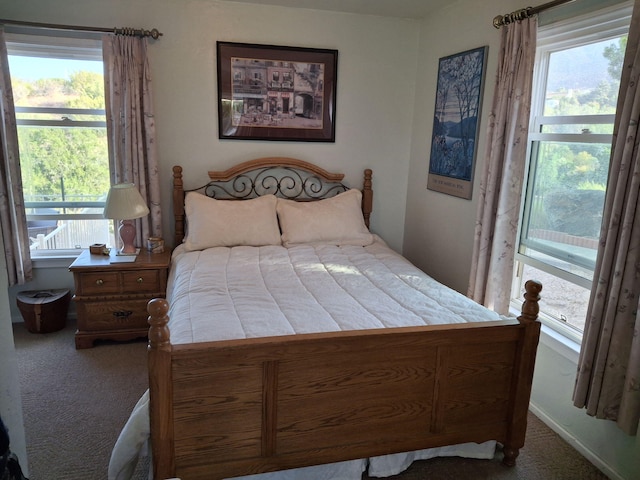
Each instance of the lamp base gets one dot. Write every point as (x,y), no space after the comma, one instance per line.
(127,233)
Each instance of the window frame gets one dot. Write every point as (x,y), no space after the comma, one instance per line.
(597,26)
(25,42)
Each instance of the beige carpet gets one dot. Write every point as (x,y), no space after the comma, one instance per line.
(75,403)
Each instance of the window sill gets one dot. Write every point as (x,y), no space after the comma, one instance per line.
(556,341)
(62,260)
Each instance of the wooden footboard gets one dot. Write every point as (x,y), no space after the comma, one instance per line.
(230,408)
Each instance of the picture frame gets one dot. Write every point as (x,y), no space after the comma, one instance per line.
(281,93)
(456,116)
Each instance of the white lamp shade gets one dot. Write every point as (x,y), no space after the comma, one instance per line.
(124,202)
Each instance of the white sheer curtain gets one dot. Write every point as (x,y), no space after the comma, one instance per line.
(131,125)
(12,214)
(504,169)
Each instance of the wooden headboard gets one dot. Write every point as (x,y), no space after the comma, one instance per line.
(284,177)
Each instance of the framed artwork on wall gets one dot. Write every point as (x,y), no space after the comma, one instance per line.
(455,124)
(269,92)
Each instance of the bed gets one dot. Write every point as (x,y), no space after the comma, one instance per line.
(316,351)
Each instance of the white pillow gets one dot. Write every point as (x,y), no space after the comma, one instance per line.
(227,223)
(336,221)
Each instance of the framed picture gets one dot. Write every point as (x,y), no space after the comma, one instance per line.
(455,123)
(268,92)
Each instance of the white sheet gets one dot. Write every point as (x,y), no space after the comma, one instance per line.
(261,291)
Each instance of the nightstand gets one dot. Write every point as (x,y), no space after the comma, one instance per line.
(111,298)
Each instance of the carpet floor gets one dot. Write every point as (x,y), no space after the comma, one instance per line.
(75,402)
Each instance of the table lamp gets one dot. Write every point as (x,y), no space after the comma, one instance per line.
(125,203)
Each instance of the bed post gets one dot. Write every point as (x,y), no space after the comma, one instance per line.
(178,205)
(523,371)
(367,196)
(160,390)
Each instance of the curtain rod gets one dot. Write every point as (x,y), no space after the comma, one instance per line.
(502,20)
(131,32)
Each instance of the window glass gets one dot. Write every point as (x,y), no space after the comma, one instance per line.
(566,197)
(584,79)
(62,137)
(576,81)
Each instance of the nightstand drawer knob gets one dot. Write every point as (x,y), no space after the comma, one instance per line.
(99,281)
(139,280)
(122,313)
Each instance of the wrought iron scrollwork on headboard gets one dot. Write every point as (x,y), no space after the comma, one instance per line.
(284,182)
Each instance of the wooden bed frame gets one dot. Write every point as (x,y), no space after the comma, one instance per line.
(238,407)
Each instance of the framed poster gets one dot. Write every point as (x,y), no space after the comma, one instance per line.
(455,123)
(269,92)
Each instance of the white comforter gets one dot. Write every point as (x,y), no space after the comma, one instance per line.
(241,292)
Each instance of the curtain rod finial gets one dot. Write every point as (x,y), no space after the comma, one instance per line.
(135,32)
(498,21)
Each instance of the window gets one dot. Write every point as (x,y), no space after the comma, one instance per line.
(576,81)
(58,89)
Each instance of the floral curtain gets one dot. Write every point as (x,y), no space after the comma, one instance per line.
(504,168)
(12,214)
(608,378)
(131,125)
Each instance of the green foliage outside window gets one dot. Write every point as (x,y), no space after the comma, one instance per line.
(564,169)
(63,162)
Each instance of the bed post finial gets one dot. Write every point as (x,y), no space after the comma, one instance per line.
(530,307)
(159,337)
(367,196)
(178,205)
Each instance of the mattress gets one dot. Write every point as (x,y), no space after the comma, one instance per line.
(243,292)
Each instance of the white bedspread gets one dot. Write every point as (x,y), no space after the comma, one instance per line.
(241,292)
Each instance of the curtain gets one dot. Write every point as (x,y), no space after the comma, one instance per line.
(608,377)
(13,219)
(131,124)
(503,172)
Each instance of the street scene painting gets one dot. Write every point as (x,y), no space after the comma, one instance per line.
(276,93)
(455,123)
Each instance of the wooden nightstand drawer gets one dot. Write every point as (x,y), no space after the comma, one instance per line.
(112,315)
(143,281)
(100,283)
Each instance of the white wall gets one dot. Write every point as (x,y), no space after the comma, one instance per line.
(601,441)
(439,227)
(10,402)
(439,230)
